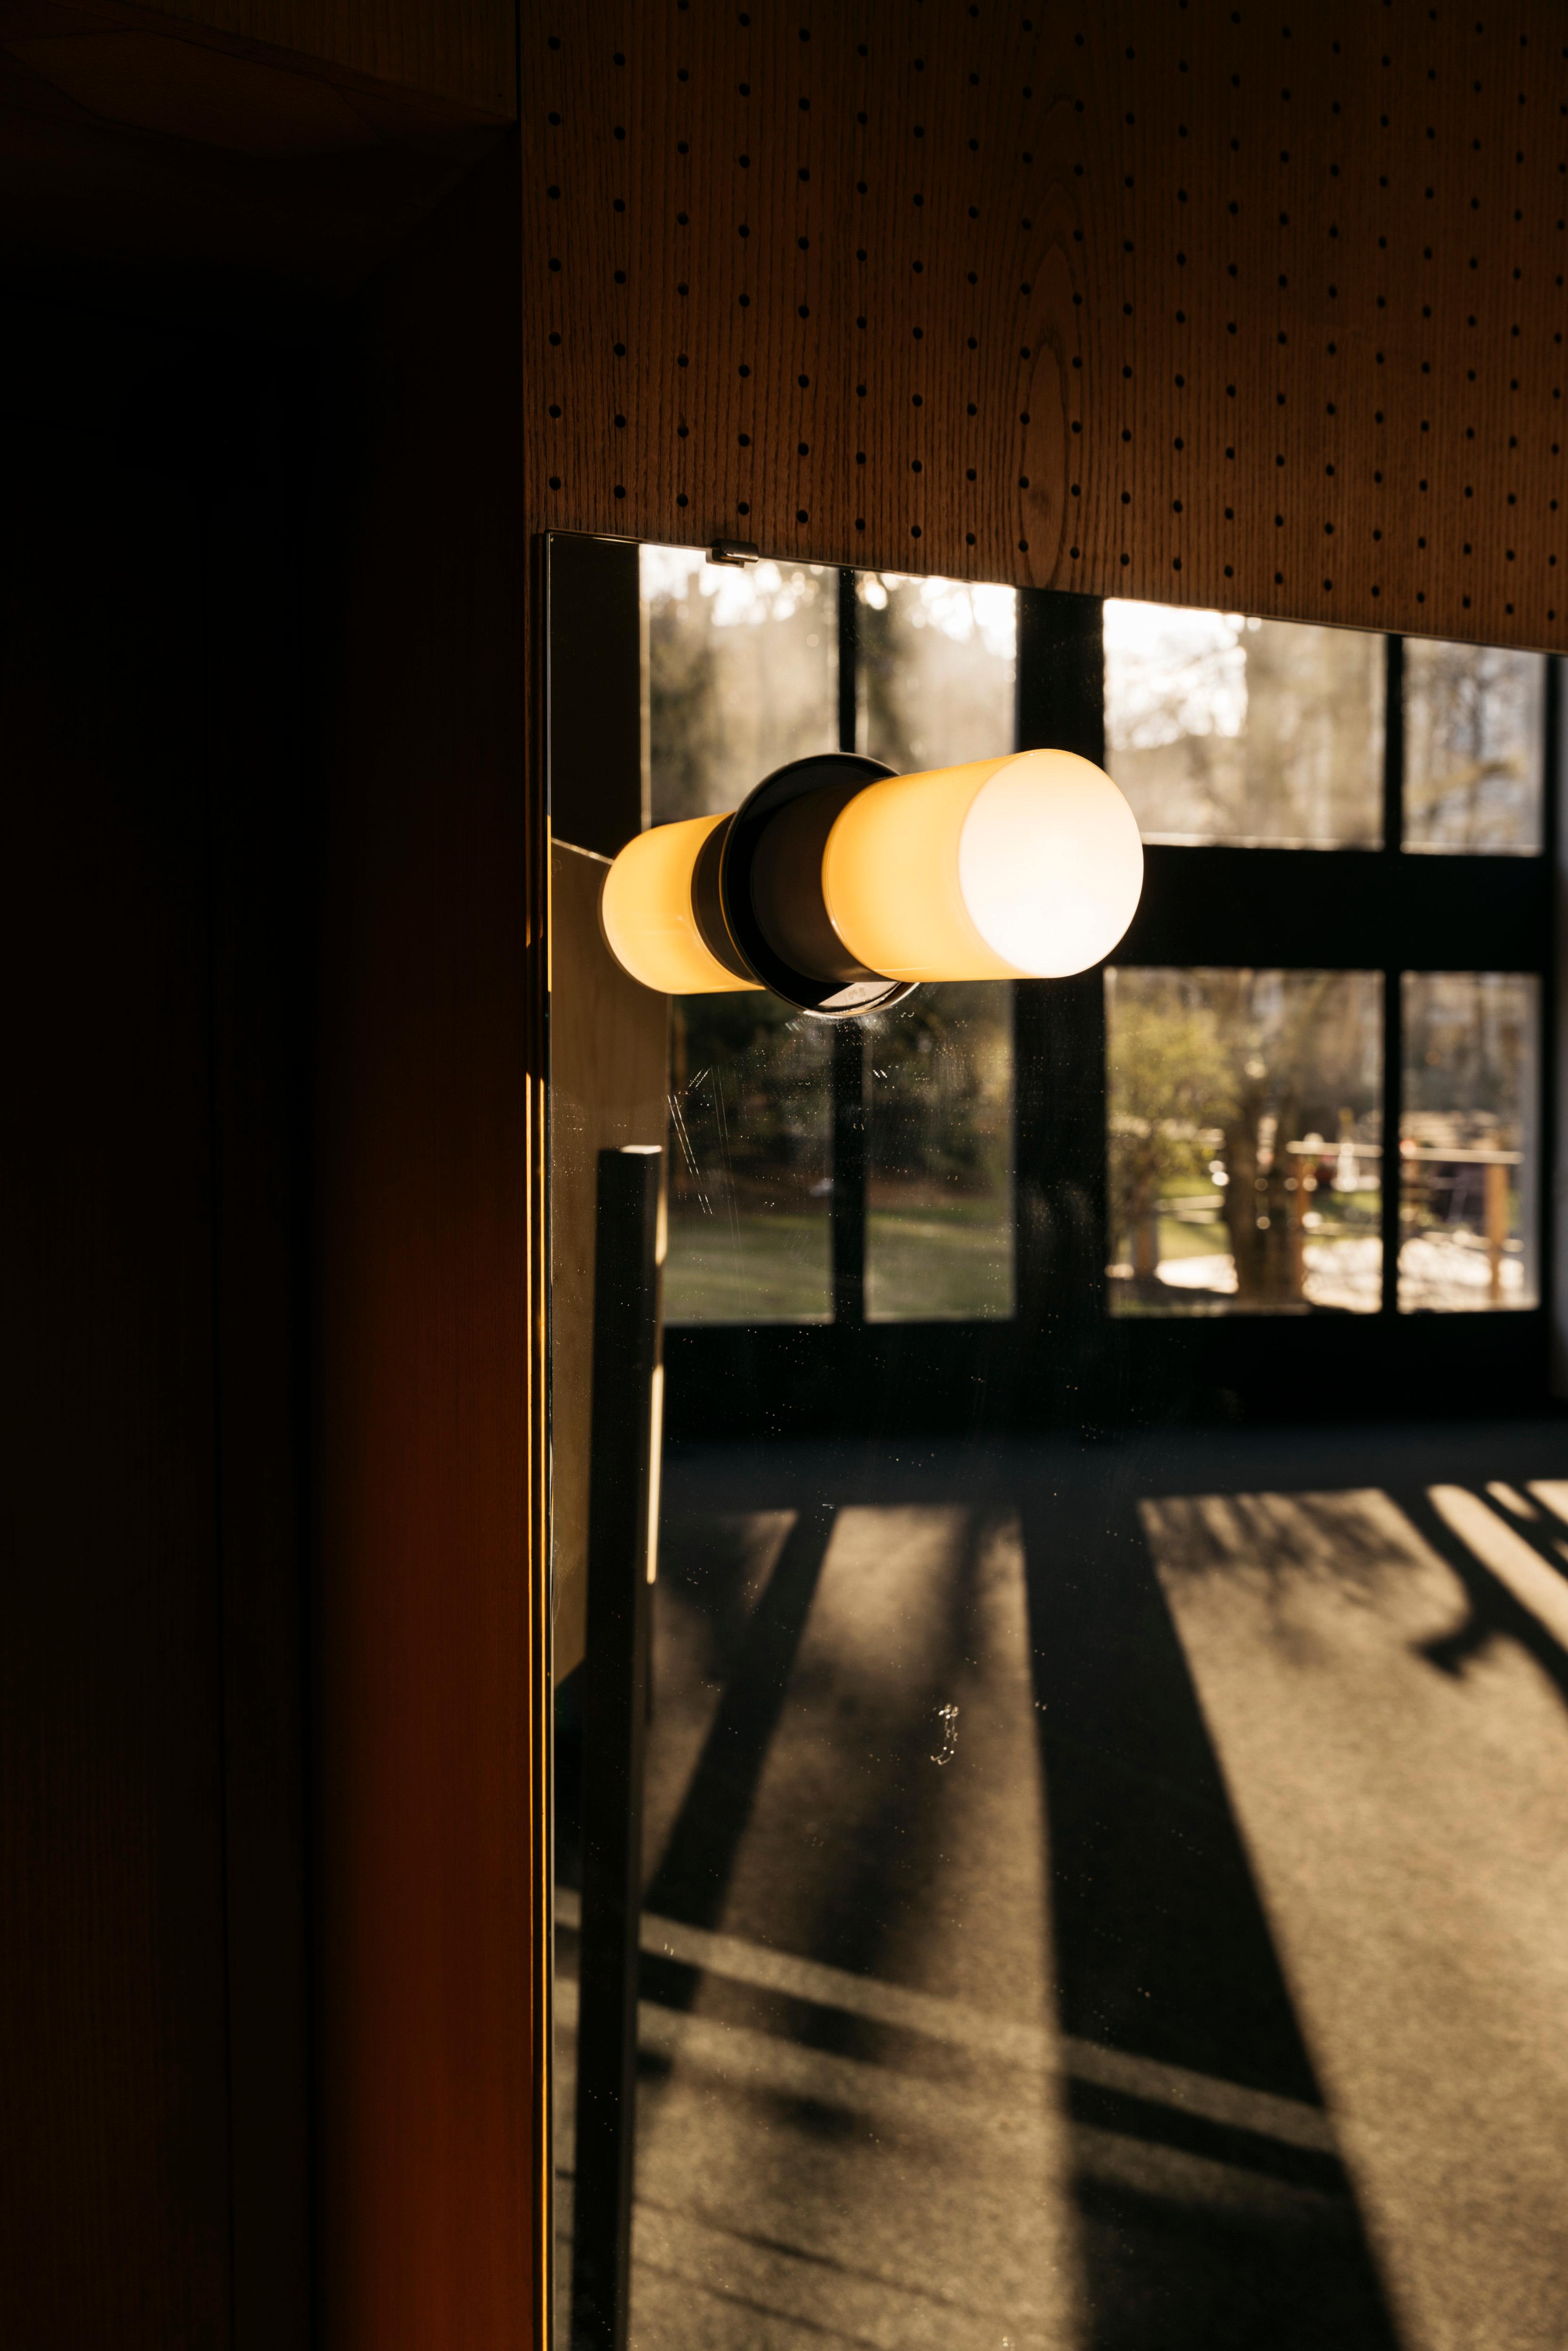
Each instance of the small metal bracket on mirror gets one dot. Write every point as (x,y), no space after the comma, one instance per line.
(733,550)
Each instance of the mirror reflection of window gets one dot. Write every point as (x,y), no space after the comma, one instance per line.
(937,664)
(937,661)
(1467,1147)
(1259,733)
(1244,1141)
(1474,737)
(750,1173)
(939,1239)
(741,674)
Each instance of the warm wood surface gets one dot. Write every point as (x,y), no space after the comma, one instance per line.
(609,1049)
(1257,307)
(430,1277)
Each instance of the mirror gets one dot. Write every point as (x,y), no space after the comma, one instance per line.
(1064,1850)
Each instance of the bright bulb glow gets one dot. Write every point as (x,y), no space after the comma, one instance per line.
(1049,863)
(1028,867)
(646,911)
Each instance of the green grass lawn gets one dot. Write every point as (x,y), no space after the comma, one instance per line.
(939,1264)
(927,1264)
(758,1265)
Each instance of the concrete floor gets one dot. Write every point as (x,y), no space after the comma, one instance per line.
(1110,1897)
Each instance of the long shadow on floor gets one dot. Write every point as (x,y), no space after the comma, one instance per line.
(1217,2237)
(694,1869)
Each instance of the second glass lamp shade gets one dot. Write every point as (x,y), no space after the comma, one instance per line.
(840,885)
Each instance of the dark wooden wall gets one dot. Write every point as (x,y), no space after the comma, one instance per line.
(430,1305)
(153,2068)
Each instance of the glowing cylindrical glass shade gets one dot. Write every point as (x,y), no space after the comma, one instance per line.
(1027,867)
(648,916)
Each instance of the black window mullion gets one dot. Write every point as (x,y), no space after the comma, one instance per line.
(849,1053)
(1392,975)
(1394,750)
(1059,1045)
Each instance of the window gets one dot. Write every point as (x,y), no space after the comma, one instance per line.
(1194,1140)
(1474,739)
(1467,1149)
(864,1175)
(1224,729)
(1245,1140)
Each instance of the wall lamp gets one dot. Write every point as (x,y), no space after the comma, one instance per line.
(840,886)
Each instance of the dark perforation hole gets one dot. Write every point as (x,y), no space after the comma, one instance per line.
(914,530)
(620,489)
(555,481)
(681,498)
(744,507)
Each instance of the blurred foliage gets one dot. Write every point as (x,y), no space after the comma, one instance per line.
(750,1095)
(940,1088)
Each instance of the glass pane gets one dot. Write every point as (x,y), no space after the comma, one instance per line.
(1468,1140)
(751,1180)
(742,674)
(1220,728)
(939,1239)
(937,658)
(1245,1141)
(1474,727)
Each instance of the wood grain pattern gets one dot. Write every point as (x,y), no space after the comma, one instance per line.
(1258,306)
(430,1762)
(610,1050)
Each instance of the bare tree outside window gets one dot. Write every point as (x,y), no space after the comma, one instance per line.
(1473,737)
(1468,1146)
(1245,1140)
(1257,732)
(741,674)
(938,660)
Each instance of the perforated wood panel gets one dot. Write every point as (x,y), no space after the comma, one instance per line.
(1257,306)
